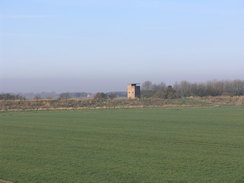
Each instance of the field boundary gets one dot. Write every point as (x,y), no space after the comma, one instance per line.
(74,104)
(117,107)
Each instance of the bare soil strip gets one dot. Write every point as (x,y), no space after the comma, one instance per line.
(4,181)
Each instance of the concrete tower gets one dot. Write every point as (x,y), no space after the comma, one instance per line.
(134,91)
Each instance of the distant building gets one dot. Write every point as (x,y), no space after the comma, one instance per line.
(134,91)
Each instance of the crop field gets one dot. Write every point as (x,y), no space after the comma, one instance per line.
(150,145)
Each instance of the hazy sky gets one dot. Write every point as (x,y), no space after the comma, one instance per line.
(101,45)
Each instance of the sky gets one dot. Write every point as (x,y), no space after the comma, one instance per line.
(101,45)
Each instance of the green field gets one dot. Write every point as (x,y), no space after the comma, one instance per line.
(171,145)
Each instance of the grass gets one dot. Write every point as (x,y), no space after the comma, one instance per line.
(164,145)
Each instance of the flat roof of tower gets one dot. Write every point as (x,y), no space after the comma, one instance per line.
(134,83)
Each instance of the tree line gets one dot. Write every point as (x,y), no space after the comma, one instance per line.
(8,96)
(186,89)
(161,90)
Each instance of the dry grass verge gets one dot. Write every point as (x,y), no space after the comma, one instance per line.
(53,104)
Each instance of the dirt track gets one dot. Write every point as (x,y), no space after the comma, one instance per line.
(4,181)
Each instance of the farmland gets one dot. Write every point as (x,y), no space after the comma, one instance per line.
(169,145)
